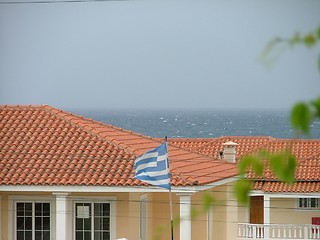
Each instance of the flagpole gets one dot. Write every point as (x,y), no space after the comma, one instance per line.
(171,218)
(153,167)
(170,197)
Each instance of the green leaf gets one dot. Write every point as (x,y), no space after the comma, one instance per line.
(263,154)
(309,40)
(242,188)
(276,164)
(245,163)
(318,32)
(253,162)
(290,169)
(316,104)
(295,39)
(283,165)
(257,167)
(207,201)
(158,231)
(176,221)
(194,213)
(301,117)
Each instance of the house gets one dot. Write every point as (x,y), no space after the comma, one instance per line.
(63,176)
(277,210)
(66,177)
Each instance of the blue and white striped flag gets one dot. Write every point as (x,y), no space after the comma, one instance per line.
(153,167)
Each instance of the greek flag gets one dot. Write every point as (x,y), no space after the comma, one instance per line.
(153,167)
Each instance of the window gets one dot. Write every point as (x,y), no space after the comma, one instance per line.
(92,221)
(32,221)
(309,203)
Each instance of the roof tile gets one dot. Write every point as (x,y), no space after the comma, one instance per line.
(307,153)
(41,145)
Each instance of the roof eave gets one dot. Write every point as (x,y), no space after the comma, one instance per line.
(108,189)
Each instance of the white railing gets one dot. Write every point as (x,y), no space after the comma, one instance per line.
(278,231)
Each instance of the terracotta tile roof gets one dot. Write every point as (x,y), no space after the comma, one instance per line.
(307,153)
(212,146)
(41,145)
(280,187)
(307,178)
(309,169)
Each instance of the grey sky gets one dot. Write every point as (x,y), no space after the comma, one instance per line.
(156,54)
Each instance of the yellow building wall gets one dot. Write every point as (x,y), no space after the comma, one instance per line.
(126,210)
(232,213)
(133,221)
(159,222)
(4,217)
(158,213)
(199,223)
(285,210)
(4,235)
(225,214)
(160,209)
(243,214)
(219,212)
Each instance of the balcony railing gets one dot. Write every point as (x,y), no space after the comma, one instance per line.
(278,231)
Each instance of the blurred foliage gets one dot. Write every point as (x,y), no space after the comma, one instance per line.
(274,48)
(303,114)
(282,164)
(207,202)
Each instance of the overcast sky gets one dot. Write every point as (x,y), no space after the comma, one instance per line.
(156,54)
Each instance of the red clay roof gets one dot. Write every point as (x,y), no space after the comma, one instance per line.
(307,153)
(41,145)
(212,146)
(307,178)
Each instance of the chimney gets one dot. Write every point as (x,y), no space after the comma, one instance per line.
(229,151)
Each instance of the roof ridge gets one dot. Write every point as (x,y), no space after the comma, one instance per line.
(242,137)
(245,137)
(23,105)
(80,151)
(61,114)
(189,139)
(195,150)
(49,109)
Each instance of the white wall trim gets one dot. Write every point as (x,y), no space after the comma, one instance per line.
(256,193)
(266,212)
(108,189)
(144,197)
(62,223)
(298,209)
(285,195)
(185,216)
(85,189)
(215,184)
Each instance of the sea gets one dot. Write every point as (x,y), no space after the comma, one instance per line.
(201,123)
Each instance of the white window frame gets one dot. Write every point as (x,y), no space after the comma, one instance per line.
(308,207)
(12,200)
(143,221)
(110,200)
